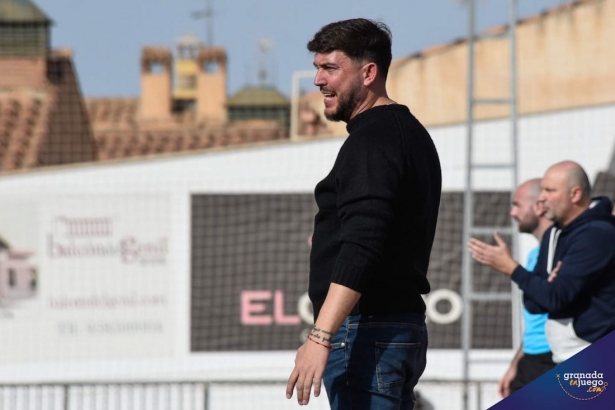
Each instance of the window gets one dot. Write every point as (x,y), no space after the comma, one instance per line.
(211,67)
(156,68)
(186,82)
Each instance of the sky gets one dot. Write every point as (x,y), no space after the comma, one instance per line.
(106,36)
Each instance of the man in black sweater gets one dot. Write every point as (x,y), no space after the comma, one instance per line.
(373,233)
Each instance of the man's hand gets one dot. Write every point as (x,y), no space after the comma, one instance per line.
(496,257)
(312,357)
(310,365)
(554,272)
(506,380)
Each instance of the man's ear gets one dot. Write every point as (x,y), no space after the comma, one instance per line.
(539,209)
(576,194)
(370,73)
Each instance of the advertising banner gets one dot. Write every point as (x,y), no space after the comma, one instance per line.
(85,277)
(250,268)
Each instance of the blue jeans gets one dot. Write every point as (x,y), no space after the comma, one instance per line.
(376,361)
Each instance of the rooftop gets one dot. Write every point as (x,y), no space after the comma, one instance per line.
(21,11)
(259,97)
(119,133)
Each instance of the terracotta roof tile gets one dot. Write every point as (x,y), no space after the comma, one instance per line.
(211,54)
(112,111)
(23,126)
(120,133)
(162,54)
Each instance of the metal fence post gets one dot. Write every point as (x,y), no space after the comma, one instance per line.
(206,396)
(66,396)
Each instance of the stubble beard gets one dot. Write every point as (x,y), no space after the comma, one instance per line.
(527,226)
(346,104)
(551,215)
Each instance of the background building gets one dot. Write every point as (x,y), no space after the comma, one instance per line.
(183,103)
(563,64)
(184,106)
(43,120)
(259,103)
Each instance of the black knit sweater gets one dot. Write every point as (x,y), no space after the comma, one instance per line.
(377,212)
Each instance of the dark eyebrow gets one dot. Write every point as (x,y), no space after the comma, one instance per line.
(325,65)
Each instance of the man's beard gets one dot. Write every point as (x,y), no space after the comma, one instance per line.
(527,226)
(346,105)
(555,217)
(551,215)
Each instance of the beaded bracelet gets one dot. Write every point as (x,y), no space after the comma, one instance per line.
(318,343)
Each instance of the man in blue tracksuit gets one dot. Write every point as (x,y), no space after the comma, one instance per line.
(580,300)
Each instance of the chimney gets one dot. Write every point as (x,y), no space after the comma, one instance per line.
(156,100)
(211,84)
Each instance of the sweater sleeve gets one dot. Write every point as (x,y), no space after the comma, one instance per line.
(520,274)
(583,263)
(368,183)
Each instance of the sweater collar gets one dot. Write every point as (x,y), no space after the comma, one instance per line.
(373,112)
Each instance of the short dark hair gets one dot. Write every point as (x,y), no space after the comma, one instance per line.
(360,39)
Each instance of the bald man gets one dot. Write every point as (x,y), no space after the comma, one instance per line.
(580,301)
(534,355)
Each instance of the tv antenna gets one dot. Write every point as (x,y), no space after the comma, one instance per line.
(208,15)
(264,46)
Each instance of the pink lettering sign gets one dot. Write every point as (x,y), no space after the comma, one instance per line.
(251,306)
(278,311)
